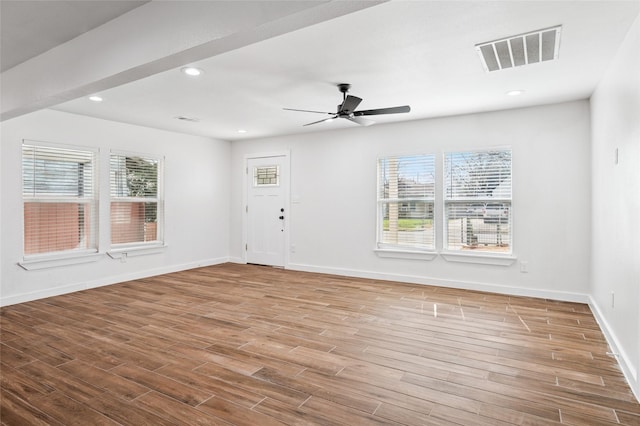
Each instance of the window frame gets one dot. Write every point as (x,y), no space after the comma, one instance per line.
(400,250)
(119,250)
(50,258)
(257,178)
(471,256)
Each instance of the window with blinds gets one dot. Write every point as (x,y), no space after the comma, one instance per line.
(406,193)
(59,199)
(136,202)
(477,200)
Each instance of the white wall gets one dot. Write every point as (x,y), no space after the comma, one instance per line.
(333,189)
(196,202)
(615,112)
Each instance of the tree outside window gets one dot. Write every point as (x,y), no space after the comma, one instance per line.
(478,200)
(406,191)
(135,199)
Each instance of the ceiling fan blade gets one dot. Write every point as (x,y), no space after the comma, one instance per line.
(350,104)
(306,110)
(380,111)
(361,121)
(320,121)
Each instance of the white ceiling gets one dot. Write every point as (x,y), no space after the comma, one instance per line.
(37,26)
(396,53)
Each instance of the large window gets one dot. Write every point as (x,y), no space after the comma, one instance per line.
(477,201)
(136,200)
(59,199)
(406,192)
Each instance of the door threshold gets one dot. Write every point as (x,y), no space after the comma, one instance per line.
(266,266)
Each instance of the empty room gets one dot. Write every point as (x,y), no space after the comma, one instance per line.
(320,212)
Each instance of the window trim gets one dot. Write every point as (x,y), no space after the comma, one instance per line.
(439,220)
(483,258)
(388,250)
(468,256)
(53,261)
(132,250)
(117,250)
(394,253)
(71,256)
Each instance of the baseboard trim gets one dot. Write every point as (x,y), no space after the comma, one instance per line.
(57,291)
(464,285)
(629,371)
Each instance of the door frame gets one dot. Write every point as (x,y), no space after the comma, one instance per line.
(285,180)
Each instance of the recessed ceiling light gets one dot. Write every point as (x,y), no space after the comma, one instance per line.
(95,98)
(242,131)
(515,92)
(191,71)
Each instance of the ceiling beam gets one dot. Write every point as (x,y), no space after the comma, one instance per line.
(153,38)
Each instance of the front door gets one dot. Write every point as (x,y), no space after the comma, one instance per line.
(266,212)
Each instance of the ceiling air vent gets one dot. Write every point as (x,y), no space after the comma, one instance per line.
(518,50)
(184,118)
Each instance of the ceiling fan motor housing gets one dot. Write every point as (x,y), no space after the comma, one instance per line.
(344,87)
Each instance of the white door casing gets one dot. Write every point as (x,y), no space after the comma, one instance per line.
(267,210)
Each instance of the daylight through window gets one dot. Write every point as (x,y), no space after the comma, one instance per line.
(59,199)
(477,201)
(266,176)
(136,202)
(406,192)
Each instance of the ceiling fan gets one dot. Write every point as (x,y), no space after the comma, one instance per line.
(347,109)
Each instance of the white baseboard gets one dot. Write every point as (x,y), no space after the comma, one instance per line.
(57,291)
(627,366)
(465,285)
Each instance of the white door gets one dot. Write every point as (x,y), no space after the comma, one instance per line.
(266,210)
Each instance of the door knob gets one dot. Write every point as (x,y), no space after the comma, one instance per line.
(281,217)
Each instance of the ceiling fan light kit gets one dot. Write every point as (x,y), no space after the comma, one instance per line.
(347,109)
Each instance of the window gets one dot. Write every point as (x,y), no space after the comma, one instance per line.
(266,176)
(136,202)
(59,199)
(477,201)
(406,192)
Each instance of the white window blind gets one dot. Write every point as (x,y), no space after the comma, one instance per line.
(59,199)
(477,198)
(406,192)
(136,201)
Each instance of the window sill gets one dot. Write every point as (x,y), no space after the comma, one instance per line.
(133,251)
(53,262)
(405,254)
(484,258)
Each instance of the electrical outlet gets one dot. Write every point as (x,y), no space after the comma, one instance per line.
(293,248)
(524,266)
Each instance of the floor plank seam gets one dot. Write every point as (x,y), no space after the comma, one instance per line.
(245,343)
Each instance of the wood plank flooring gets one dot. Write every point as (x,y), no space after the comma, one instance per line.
(250,345)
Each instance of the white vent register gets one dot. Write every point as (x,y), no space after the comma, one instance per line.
(524,49)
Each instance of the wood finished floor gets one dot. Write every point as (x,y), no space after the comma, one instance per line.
(250,345)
